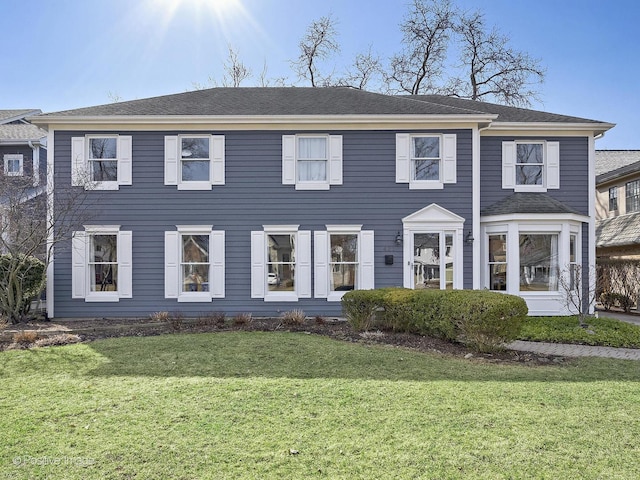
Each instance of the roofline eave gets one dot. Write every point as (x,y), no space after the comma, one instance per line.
(257,119)
(597,127)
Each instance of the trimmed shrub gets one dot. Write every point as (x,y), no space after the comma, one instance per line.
(360,307)
(481,319)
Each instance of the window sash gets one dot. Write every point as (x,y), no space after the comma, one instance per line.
(312,158)
(195,273)
(529,163)
(426,159)
(103,274)
(632,191)
(497,267)
(102,158)
(538,262)
(613,198)
(195,159)
(285,267)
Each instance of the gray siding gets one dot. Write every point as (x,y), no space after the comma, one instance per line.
(27,158)
(253,196)
(574,179)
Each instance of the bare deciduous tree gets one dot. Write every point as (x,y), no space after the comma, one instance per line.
(26,232)
(494,70)
(426,31)
(235,71)
(319,42)
(366,67)
(578,288)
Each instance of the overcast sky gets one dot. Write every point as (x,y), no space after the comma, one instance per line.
(64,54)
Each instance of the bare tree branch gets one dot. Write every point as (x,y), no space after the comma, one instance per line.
(366,66)
(318,44)
(426,30)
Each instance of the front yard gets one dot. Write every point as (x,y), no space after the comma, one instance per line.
(291,405)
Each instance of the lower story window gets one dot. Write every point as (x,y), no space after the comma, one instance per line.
(498,262)
(194,263)
(101,257)
(103,263)
(344,262)
(538,262)
(281,262)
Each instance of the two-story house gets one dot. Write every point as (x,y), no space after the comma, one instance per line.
(22,169)
(265,200)
(618,203)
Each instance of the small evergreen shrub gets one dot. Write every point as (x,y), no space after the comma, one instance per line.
(360,307)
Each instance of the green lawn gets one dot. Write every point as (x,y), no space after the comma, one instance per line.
(239,405)
(607,332)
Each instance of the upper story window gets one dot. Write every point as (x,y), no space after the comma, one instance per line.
(426,161)
(194,263)
(613,199)
(13,165)
(102,263)
(101,162)
(529,163)
(312,162)
(530,166)
(425,158)
(632,197)
(194,162)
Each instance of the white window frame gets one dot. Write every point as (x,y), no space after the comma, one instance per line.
(290,160)
(490,263)
(405,172)
(81,272)
(12,157)
(173,162)
(259,267)
(365,272)
(173,263)
(565,226)
(550,166)
(80,168)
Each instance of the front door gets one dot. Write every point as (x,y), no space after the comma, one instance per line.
(432,260)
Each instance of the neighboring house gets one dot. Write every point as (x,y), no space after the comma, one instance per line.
(22,164)
(265,200)
(618,203)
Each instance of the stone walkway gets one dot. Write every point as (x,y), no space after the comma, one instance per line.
(566,350)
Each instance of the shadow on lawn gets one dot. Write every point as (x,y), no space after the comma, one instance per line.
(300,356)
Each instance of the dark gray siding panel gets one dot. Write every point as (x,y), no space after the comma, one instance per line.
(574,171)
(253,196)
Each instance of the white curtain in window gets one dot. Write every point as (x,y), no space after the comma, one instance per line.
(312,159)
(553,264)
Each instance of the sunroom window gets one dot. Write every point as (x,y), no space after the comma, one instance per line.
(538,262)
(498,262)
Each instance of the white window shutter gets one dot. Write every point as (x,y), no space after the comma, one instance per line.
(79,265)
(553,165)
(171,160)
(125,265)
(449,158)
(217,160)
(216,257)
(321,264)
(367,277)
(303,264)
(124,160)
(78,162)
(288,159)
(335,160)
(171,264)
(403,158)
(258,265)
(508,165)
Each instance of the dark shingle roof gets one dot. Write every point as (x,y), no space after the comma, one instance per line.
(256,101)
(611,164)
(618,231)
(504,112)
(526,202)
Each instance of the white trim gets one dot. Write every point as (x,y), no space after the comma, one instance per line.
(592,219)
(524,218)
(50,224)
(344,228)
(280,228)
(434,219)
(475,207)
(8,157)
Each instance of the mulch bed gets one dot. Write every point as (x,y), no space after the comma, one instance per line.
(58,332)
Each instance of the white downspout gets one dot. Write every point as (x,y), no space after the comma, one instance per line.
(475,212)
(35,163)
